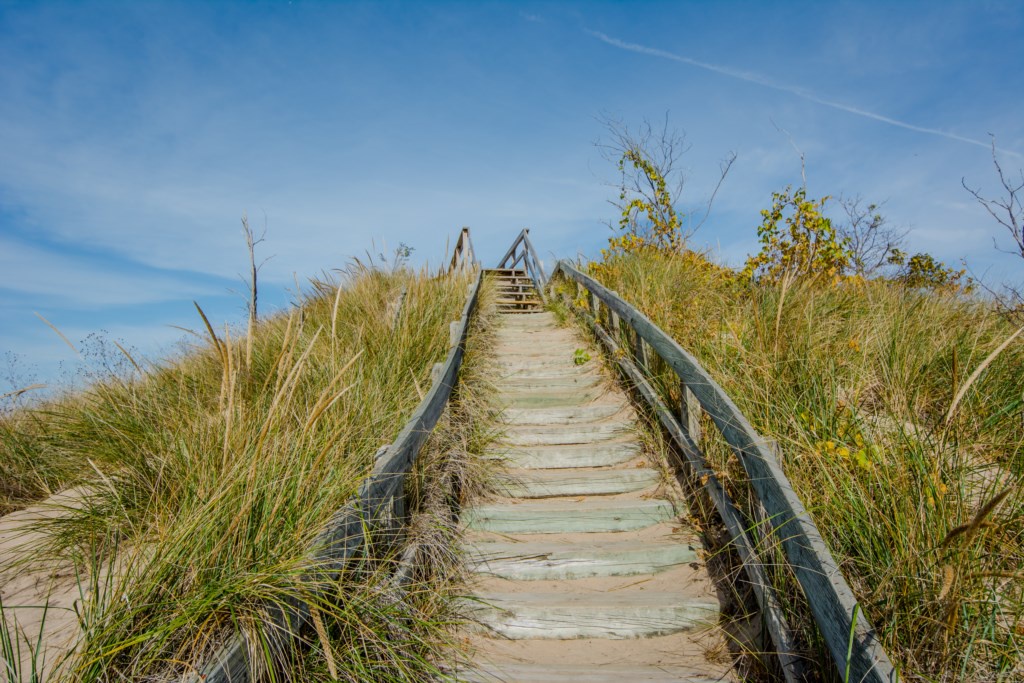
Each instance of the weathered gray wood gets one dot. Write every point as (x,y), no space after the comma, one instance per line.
(538,270)
(771,609)
(640,351)
(345,535)
(463,256)
(689,413)
(502,263)
(522,251)
(832,602)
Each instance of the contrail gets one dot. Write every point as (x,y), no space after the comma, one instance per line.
(751,77)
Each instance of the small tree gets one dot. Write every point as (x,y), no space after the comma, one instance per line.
(925,271)
(797,240)
(650,183)
(251,282)
(868,236)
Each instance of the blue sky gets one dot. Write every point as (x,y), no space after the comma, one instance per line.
(134,135)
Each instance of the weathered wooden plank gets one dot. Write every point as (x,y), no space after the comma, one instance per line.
(774,616)
(689,413)
(511,251)
(538,275)
(528,257)
(833,604)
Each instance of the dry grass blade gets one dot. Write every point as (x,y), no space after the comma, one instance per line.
(59,334)
(977,373)
(325,641)
(128,356)
(334,313)
(217,344)
(329,397)
(947,581)
(415,383)
(23,390)
(978,521)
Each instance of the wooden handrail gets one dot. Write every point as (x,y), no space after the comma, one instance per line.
(379,503)
(522,251)
(840,618)
(463,257)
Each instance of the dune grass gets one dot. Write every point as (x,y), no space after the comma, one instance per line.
(207,479)
(902,430)
(419,620)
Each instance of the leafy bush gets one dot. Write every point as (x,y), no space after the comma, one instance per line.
(797,241)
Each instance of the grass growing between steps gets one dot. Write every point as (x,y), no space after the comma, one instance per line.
(901,432)
(209,478)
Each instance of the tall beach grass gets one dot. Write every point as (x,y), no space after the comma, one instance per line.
(206,480)
(901,425)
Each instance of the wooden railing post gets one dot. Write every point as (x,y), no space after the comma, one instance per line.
(640,351)
(689,413)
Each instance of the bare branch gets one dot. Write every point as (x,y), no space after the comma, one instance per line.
(869,236)
(799,152)
(723,168)
(1007,210)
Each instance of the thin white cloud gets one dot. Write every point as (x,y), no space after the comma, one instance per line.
(62,279)
(798,91)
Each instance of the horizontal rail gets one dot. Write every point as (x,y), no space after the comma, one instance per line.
(522,251)
(840,618)
(775,619)
(350,528)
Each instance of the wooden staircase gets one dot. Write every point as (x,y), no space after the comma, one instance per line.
(516,291)
(583,570)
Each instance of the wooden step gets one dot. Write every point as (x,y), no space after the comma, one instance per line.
(524,300)
(545,561)
(575,482)
(556,457)
(566,415)
(565,382)
(519,672)
(589,615)
(565,435)
(557,516)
